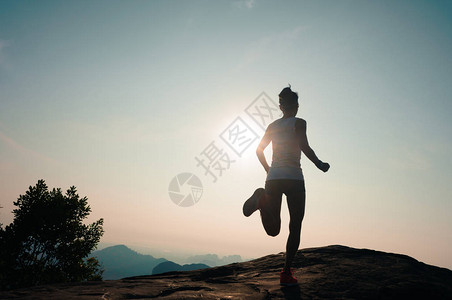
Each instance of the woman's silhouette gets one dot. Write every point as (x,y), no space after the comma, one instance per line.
(288,137)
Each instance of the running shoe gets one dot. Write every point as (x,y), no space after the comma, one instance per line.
(287,279)
(252,204)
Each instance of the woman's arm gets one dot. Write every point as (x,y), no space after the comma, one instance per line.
(300,129)
(266,139)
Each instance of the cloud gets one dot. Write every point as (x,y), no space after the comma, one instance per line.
(249,3)
(3,44)
(411,160)
(262,47)
(245,4)
(4,139)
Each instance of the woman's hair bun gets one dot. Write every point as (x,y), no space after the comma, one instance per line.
(288,98)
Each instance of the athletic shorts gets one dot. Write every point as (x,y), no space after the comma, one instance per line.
(293,189)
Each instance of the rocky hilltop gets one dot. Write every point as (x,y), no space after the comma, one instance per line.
(333,272)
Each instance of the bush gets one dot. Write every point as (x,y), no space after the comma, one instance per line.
(47,242)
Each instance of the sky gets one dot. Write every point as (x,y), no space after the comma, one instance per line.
(118,98)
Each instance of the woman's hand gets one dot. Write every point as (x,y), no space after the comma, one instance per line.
(324,166)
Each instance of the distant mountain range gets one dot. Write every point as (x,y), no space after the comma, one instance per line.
(120,261)
(169,266)
(213,260)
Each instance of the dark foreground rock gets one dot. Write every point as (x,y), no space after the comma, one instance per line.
(333,272)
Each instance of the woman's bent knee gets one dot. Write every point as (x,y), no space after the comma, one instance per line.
(273,231)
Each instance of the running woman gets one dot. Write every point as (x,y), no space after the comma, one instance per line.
(288,137)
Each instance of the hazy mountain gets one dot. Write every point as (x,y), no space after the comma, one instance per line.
(169,266)
(213,260)
(119,262)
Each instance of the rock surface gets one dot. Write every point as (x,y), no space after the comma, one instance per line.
(333,272)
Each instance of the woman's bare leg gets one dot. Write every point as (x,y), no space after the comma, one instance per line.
(270,208)
(296,200)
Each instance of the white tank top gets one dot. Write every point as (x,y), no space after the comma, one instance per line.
(286,150)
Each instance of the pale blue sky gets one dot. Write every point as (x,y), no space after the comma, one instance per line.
(118,97)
